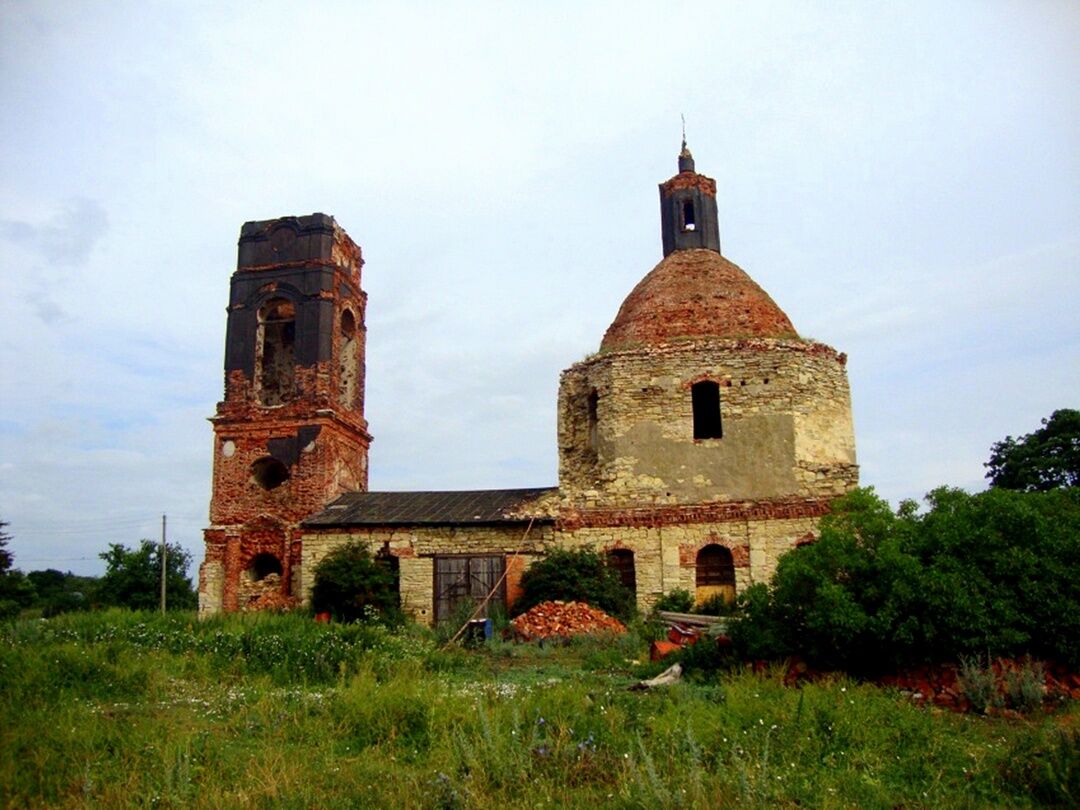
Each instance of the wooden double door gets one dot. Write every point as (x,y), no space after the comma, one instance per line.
(468,579)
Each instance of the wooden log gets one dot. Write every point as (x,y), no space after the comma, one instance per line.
(692,619)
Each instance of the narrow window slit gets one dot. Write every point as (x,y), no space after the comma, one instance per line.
(705,399)
(689,223)
(593,406)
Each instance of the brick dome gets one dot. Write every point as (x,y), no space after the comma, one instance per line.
(695,293)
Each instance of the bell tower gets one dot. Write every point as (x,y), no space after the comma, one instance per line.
(688,217)
(290,435)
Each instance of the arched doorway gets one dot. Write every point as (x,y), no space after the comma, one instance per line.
(715,575)
(622,561)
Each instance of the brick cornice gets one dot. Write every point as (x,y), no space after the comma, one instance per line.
(571,519)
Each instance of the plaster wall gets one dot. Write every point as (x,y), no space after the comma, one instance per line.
(785,410)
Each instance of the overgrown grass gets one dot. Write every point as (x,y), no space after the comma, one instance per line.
(121,709)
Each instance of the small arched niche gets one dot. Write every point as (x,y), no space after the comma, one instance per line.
(349,364)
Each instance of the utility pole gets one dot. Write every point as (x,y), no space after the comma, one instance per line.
(164,553)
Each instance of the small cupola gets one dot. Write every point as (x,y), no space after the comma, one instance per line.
(688,218)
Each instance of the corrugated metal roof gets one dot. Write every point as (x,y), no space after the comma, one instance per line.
(411,508)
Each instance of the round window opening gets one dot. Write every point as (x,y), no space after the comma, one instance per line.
(263,565)
(269,473)
(348,325)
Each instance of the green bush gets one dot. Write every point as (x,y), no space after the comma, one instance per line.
(581,576)
(715,605)
(760,632)
(978,683)
(995,573)
(1025,687)
(706,659)
(677,601)
(352,586)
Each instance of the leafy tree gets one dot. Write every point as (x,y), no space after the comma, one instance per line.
(350,583)
(1046,459)
(59,592)
(581,576)
(133,577)
(15,591)
(5,556)
(1002,573)
(997,572)
(842,601)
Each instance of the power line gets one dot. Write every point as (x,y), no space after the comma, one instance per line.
(80,528)
(21,559)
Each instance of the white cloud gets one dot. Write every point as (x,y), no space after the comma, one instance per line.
(901,180)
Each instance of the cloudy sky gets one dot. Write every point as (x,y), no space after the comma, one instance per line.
(904,181)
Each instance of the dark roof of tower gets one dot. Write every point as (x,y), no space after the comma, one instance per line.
(443,508)
(693,294)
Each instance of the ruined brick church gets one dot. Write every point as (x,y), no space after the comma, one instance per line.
(703,440)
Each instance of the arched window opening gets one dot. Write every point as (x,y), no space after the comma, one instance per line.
(705,398)
(715,574)
(269,473)
(688,221)
(622,560)
(349,369)
(592,404)
(263,565)
(275,352)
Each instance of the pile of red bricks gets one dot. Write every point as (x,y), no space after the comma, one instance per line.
(562,620)
(940,685)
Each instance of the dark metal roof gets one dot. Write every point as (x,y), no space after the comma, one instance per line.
(411,508)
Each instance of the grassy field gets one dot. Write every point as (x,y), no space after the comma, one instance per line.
(123,709)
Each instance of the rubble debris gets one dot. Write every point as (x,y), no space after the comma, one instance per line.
(272,600)
(562,620)
(659,650)
(680,635)
(940,685)
(672,674)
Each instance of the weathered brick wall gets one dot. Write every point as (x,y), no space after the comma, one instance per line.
(786,413)
(333,462)
(317,435)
